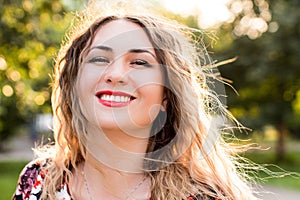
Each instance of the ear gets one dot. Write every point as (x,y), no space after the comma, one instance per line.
(164,104)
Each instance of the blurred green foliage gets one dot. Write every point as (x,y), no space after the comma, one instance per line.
(265,38)
(266,74)
(31,33)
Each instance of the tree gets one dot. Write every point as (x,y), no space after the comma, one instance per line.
(30,35)
(266,73)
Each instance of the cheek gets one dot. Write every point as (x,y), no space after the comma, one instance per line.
(149,80)
(149,105)
(150,89)
(86,86)
(88,78)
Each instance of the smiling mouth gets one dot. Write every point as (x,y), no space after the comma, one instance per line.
(114,99)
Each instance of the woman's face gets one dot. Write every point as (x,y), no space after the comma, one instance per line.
(120,83)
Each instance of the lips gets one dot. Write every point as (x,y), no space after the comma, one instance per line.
(114,98)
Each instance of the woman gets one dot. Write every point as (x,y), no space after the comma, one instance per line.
(134,117)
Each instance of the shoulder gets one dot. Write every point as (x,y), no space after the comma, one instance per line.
(30,180)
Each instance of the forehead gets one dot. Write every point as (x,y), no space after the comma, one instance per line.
(122,34)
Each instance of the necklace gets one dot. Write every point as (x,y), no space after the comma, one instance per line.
(126,198)
(86,184)
(136,187)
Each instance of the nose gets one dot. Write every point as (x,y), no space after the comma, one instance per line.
(115,73)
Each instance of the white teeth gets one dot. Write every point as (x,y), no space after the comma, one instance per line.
(122,99)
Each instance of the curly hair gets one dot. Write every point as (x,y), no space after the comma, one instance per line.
(195,121)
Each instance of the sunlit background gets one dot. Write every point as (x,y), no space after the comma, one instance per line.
(264,36)
(214,13)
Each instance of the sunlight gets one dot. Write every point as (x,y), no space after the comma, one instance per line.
(214,12)
(3,64)
(181,7)
(252,17)
(210,13)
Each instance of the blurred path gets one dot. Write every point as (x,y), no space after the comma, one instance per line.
(21,149)
(275,193)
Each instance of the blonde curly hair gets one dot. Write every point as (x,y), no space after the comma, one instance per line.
(205,164)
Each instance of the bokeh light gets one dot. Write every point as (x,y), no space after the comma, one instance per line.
(7,90)
(3,64)
(252,17)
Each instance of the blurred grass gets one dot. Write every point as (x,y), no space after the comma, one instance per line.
(285,174)
(9,173)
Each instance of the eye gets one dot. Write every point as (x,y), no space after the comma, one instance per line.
(100,60)
(141,62)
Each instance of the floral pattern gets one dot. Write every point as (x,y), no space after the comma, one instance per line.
(31,183)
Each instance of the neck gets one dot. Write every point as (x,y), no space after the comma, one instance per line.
(106,172)
(113,183)
(116,149)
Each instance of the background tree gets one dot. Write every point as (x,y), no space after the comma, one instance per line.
(31,32)
(267,72)
(263,34)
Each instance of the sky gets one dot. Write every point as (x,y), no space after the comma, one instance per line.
(210,12)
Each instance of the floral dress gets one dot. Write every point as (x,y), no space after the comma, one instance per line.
(31,181)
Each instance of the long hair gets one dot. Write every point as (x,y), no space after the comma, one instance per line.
(198,161)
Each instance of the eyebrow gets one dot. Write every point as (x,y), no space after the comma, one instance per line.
(141,51)
(106,48)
